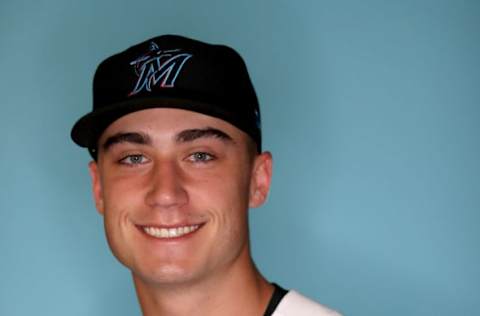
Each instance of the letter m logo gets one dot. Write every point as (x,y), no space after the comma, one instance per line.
(160,70)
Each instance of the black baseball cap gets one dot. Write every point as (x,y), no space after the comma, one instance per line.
(174,72)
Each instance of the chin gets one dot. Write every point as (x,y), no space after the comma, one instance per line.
(166,275)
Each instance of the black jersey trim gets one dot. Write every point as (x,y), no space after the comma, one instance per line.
(278,294)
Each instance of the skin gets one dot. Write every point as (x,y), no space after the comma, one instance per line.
(159,168)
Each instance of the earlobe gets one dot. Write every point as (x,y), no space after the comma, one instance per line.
(261,179)
(96,186)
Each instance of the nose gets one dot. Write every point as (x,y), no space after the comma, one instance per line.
(166,187)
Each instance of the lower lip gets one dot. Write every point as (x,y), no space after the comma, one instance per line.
(171,239)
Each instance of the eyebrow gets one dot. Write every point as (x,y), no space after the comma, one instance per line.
(185,136)
(190,135)
(135,138)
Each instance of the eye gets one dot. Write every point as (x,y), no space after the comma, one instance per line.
(201,157)
(134,160)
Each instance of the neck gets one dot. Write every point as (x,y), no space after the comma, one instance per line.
(239,289)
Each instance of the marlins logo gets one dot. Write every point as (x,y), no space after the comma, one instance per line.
(158,68)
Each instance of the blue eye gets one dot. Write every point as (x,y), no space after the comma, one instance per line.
(201,157)
(134,160)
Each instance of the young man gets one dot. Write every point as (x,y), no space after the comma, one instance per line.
(176,141)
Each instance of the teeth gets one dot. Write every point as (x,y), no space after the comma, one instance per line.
(170,232)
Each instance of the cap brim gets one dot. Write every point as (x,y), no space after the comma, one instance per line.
(89,128)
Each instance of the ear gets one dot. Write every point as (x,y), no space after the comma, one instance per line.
(261,179)
(96,186)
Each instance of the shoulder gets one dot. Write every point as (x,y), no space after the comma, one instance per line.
(295,304)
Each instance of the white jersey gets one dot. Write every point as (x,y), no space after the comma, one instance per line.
(295,304)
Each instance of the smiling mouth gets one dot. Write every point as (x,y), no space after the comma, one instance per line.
(166,233)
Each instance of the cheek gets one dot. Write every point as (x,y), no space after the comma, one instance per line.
(222,190)
(119,200)
(118,229)
(121,190)
(225,196)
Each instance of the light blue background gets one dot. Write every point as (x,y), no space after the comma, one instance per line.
(371,110)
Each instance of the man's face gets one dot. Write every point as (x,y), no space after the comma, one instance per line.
(174,187)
